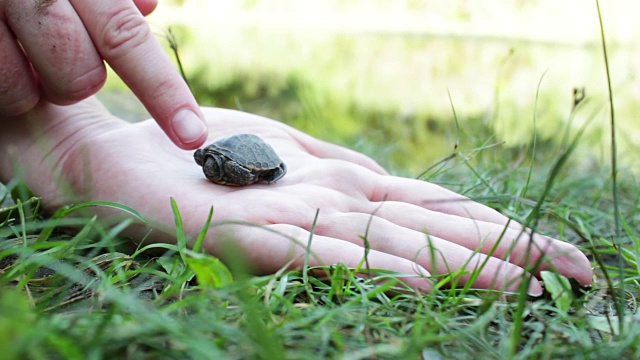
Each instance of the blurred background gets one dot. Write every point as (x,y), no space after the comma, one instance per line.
(384,77)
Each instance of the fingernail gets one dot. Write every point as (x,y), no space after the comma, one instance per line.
(534,288)
(188,126)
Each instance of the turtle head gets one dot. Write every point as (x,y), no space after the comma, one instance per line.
(199,157)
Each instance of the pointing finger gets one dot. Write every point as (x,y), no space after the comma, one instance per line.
(268,248)
(146,7)
(124,40)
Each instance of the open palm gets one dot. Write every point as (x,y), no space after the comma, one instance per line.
(413,227)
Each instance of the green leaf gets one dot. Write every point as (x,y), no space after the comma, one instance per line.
(559,288)
(171,264)
(210,271)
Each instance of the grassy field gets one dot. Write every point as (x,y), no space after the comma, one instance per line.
(79,295)
(71,288)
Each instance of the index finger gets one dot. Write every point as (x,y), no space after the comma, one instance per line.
(124,40)
(436,198)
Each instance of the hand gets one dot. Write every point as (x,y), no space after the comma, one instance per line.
(55,50)
(134,164)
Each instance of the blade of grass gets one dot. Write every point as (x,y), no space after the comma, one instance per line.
(173,44)
(22,222)
(111,204)
(532,222)
(534,142)
(365,239)
(305,266)
(456,145)
(197,246)
(614,171)
(180,235)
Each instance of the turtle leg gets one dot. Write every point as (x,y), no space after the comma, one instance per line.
(213,168)
(275,174)
(236,174)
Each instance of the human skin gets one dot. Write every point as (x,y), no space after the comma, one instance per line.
(55,51)
(69,154)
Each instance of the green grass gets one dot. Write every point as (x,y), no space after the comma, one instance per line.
(79,295)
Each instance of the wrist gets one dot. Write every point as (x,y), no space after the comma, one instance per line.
(39,146)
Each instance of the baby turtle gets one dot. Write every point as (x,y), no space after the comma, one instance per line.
(239,160)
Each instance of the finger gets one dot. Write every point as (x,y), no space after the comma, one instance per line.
(358,183)
(512,244)
(18,89)
(325,150)
(60,50)
(146,7)
(338,180)
(437,255)
(124,40)
(270,248)
(520,247)
(436,198)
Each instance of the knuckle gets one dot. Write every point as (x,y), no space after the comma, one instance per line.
(17,95)
(83,85)
(89,82)
(125,30)
(339,169)
(20,106)
(344,175)
(164,89)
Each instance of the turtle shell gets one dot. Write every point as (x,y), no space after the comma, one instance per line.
(248,150)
